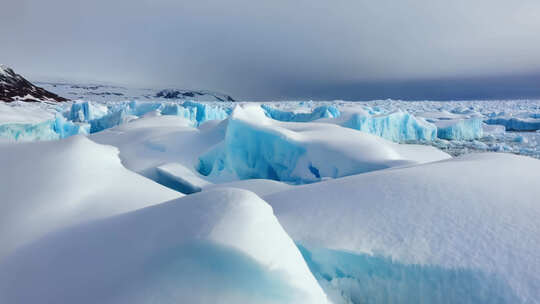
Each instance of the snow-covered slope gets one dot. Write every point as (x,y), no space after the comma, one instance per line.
(221,246)
(49,185)
(463,230)
(14,87)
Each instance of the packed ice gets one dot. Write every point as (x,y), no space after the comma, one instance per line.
(174,200)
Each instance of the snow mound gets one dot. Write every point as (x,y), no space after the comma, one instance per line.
(261,187)
(465,226)
(48,185)
(256,146)
(221,246)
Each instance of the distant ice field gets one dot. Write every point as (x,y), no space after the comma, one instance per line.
(456,127)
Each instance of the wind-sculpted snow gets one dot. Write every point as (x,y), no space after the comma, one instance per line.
(220,246)
(365,278)
(49,185)
(466,227)
(148,143)
(258,147)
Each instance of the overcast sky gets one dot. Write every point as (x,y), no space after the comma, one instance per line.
(411,49)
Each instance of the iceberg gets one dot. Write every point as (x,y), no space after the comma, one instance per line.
(523,122)
(54,129)
(86,111)
(462,129)
(205,112)
(397,126)
(324,111)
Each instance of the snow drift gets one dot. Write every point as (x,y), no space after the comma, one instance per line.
(463,230)
(48,185)
(221,246)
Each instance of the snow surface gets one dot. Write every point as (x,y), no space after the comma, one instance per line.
(221,246)
(472,218)
(48,185)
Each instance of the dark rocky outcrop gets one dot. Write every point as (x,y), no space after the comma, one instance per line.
(14,87)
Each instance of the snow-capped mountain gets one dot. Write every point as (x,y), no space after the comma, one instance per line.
(111,92)
(188,94)
(14,87)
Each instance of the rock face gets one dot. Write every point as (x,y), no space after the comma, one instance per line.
(14,87)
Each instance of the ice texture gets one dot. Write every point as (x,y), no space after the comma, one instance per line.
(521,122)
(258,147)
(462,129)
(324,111)
(397,126)
(48,130)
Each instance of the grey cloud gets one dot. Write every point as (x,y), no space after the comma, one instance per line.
(276,49)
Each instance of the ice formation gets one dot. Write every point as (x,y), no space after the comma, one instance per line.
(323,111)
(48,130)
(258,147)
(520,122)
(397,126)
(101,217)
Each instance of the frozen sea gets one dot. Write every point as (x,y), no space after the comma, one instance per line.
(122,197)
